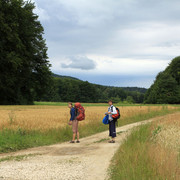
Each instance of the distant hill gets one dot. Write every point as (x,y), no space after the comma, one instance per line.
(67,88)
(68,77)
(70,89)
(137,89)
(131,89)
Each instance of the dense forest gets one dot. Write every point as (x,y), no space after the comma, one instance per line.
(66,88)
(166,88)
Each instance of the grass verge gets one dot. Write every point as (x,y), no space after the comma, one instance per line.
(131,161)
(141,157)
(13,140)
(95,104)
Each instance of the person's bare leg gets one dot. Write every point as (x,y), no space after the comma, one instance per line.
(113,139)
(77,123)
(74,130)
(74,136)
(77,136)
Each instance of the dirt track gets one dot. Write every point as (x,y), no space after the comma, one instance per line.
(88,160)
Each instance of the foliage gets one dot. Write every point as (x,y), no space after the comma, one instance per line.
(166,88)
(129,99)
(66,89)
(24,69)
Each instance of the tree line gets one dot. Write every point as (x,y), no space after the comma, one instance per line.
(69,89)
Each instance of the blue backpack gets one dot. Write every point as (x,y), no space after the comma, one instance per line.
(106,119)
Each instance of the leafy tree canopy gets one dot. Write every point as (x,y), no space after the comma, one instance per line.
(24,68)
(166,88)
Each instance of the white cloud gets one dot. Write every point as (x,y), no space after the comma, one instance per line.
(102,65)
(42,13)
(132,37)
(125,66)
(79,62)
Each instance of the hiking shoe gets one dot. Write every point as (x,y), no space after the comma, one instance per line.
(71,142)
(77,141)
(111,141)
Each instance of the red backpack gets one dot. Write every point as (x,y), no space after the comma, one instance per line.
(80,111)
(118,115)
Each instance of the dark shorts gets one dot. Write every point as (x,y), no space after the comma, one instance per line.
(112,129)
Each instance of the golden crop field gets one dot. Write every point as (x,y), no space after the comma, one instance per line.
(47,117)
(169,134)
(164,151)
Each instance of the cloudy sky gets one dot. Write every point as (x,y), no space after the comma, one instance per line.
(111,42)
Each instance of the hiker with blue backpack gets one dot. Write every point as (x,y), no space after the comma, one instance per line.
(77,114)
(111,118)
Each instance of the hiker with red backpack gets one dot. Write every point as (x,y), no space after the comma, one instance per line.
(113,114)
(77,114)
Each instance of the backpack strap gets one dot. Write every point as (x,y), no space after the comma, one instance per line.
(112,108)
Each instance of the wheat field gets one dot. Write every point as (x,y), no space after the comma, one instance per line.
(164,151)
(52,117)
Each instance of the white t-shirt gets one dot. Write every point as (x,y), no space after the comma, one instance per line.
(111,109)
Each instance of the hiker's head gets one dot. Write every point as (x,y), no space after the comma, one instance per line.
(70,105)
(110,102)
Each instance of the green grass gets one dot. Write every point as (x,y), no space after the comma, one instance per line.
(65,104)
(131,162)
(96,104)
(17,158)
(141,157)
(13,140)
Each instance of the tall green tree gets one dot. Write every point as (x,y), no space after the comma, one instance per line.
(24,68)
(166,88)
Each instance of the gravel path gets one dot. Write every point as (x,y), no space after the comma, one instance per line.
(88,160)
